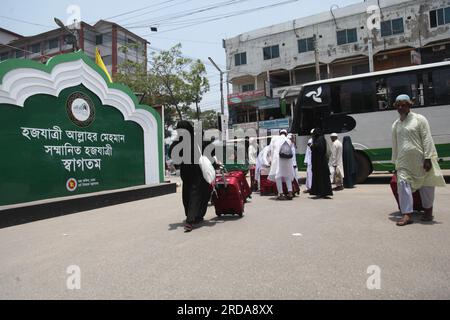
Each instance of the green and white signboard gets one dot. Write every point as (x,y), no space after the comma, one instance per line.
(65,130)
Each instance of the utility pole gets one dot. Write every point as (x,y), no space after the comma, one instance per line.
(222,102)
(316,57)
(74,34)
(370,46)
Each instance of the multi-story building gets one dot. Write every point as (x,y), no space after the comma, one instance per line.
(116,44)
(268,65)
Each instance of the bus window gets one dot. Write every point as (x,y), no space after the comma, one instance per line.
(382,94)
(358,96)
(402,84)
(441,88)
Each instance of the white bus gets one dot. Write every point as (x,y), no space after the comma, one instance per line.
(361,106)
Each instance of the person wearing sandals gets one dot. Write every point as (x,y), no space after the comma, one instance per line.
(281,169)
(196,191)
(416,161)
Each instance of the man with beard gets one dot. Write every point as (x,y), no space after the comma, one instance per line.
(416,160)
(321,184)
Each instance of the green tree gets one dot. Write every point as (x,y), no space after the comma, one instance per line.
(172,81)
(180,80)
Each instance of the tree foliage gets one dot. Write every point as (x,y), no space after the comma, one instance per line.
(172,81)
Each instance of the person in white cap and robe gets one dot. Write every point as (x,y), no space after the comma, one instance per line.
(416,160)
(336,163)
(281,168)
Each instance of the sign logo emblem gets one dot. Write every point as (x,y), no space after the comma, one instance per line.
(315,95)
(80,109)
(71,185)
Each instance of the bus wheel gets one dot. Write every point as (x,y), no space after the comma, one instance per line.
(364,167)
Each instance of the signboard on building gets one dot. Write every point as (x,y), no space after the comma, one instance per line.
(243,97)
(275,124)
(65,130)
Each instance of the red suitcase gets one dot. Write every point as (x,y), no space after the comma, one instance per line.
(417,201)
(267,187)
(295,187)
(227,197)
(245,188)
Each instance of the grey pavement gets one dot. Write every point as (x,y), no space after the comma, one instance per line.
(300,249)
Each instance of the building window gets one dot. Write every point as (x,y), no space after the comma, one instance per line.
(99,39)
(19,54)
(248,87)
(347,36)
(439,17)
(35,48)
(305,45)
(240,59)
(271,52)
(4,56)
(392,27)
(53,43)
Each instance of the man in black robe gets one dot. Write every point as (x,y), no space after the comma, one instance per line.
(196,191)
(321,183)
(350,165)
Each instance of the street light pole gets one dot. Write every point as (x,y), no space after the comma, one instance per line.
(73,33)
(222,103)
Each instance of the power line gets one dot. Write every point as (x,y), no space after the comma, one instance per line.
(26,51)
(27,22)
(188,12)
(140,9)
(153,11)
(230,15)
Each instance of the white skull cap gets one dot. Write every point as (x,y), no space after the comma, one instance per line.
(334,135)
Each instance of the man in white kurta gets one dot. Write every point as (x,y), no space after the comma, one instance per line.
(308,164)
(416,161)
(291,137)
(281,169)
(336,163)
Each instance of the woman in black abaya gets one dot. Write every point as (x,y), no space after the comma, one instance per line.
(350,164)
(196,191)
(321,183)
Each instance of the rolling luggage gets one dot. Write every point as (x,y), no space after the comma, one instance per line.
(267,187)
(295,187)
(417,201)
(253,182)
(245,188)
(227,197)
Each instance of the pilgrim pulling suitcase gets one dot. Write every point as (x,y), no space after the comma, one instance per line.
(417,201)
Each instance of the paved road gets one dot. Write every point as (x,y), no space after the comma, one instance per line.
(139,251)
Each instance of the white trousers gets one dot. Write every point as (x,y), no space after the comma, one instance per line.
(280,185)
(309,175)
(405,196)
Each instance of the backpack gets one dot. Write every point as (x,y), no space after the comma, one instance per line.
(286,151)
